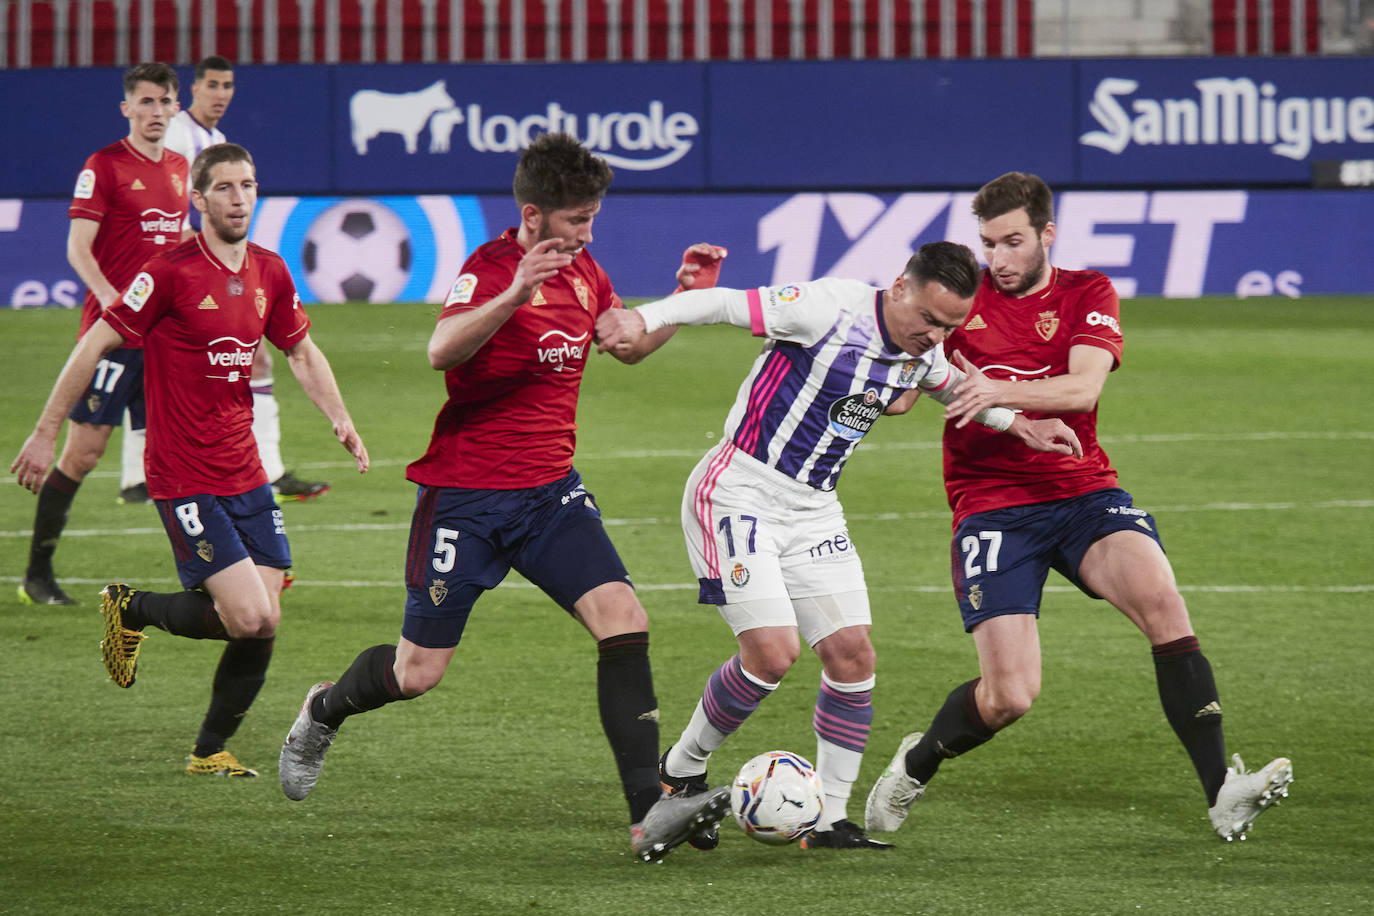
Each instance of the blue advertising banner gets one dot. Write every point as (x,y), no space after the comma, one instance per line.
(1224,120)
(893,124)
(407,249)
(451,126)
(721,126)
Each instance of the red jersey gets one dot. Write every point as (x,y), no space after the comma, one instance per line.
(199,324)
(510,419)
(1029,338)
(140,206)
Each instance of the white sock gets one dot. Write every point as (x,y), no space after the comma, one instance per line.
(838,767)
(131,455)
(267,428)
(689,756)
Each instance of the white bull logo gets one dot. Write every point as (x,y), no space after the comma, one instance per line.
(406,113)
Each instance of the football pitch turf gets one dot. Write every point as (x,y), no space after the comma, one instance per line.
(1243,426)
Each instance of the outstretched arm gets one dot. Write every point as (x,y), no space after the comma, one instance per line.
(622,333)
(31,464)
(311,368)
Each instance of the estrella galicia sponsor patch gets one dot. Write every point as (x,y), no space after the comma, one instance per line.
(462,290)
(854,414)
(85,185)
(137,295)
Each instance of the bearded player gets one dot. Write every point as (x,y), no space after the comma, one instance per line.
(1043,340)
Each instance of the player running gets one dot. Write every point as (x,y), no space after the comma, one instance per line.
(498,491)
(199,311)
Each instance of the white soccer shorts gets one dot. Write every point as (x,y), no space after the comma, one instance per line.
(766,546)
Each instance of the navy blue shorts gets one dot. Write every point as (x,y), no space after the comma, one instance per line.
(210,533)
(464,542)
(999,560)
(117,384)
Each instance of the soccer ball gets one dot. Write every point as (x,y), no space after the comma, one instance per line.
(357,251)
(776,797)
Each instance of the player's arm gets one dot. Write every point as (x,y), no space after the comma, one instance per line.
(904,403)
(625,338)
(32,462)
(457,337)
(81,255)
(632,334)
(1076,391)
(311,368)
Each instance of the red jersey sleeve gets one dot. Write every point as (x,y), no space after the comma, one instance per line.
(1097,321)
(145,301)
(287,322)
(95,184)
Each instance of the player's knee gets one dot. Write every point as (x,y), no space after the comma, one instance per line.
(414,680)
(848,655)
(1003,706)
(769,662)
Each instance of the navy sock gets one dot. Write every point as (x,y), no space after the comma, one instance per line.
(1188,693)
(956,729)
(189,613)
(629,716)
(49,518)
(240,675)
(369,683)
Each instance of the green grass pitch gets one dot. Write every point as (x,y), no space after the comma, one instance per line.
(1244,426)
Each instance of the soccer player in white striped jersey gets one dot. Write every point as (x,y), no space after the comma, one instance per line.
(192,130)
(765,531)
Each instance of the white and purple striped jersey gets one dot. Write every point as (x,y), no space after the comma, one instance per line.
(826,373)
(188,136)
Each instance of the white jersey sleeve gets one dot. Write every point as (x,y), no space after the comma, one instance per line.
(800,313)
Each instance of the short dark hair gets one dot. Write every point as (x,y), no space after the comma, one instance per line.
(212,156)
(1013,191)
(557,172)
(154,72)
(950,264)
(213,62)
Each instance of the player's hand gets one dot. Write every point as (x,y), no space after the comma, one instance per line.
(619,330)
(976,392)
(31,465)
(1050,434)
(348,437)
(700,266)
(540,263)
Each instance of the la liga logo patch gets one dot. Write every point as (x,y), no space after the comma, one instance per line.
(139,291)
(462,290)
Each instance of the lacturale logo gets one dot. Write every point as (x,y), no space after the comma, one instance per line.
(1228,112)
(644,140)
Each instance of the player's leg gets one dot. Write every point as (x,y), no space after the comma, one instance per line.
(133,484)
(81,451)
(567,554)
(999,563)
(445,573)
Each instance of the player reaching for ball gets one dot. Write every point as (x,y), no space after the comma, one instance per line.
(498,490)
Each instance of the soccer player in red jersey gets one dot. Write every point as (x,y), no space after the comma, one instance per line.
(200,310)
(1042,340)
(498,491)
(129,204)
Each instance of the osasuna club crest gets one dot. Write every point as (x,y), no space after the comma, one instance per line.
(975,596)
(1047,324)
(438,592)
